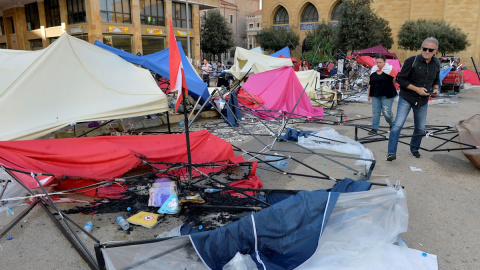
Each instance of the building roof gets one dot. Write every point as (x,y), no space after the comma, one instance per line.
(225,3)
(254,12)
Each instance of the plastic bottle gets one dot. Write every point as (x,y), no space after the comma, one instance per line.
(280,164)
(211,190)
(88,227)
(123,223)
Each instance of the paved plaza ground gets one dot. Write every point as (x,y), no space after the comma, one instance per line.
(443,198)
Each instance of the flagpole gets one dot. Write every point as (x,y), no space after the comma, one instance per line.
(188,34)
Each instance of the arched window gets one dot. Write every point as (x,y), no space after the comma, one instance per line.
(310,14)
(335,11)
(281,16)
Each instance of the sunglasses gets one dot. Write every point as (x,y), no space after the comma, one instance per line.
(427,49)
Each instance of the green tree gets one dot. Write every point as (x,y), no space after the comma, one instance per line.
(317,46)
(276,39)
(359,27)
(451,39)
(215,35)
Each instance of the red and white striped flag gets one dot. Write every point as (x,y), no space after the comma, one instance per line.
(177,74)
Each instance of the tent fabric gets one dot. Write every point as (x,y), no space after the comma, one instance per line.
(469,133)
(294,60)
(471,77)
(158,62)
(373,51)
(285,51)
(350,185)
(366,61)
(107,157)
(444,73)
(70,81)
(258,50)
(280,89)
(245,59)
(283,236)
(309,79)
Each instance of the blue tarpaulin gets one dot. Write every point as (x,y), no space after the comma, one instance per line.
(283,236)
(350,185)
(158,62)
(284,52)
(443,73)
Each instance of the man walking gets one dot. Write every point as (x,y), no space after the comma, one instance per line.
(418,79)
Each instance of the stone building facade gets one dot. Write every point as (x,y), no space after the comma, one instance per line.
(136,26)
(254,25)
(462,13)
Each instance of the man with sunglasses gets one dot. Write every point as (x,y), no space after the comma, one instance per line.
(418,79)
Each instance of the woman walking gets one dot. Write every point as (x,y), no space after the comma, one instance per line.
(382,92)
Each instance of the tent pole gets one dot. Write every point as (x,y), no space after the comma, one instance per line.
(168,122)
(187,135)
(201,108)
(290,115)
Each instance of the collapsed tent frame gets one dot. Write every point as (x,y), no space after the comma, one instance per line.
(435,132)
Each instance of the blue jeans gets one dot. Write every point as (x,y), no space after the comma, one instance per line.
(419,119)
(381,104)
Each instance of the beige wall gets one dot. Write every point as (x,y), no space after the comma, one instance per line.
(462,13)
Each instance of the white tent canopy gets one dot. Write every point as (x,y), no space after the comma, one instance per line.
(244,60)
(70,81)
(257,50)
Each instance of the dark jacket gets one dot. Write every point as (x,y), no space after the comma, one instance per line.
(382,85)
(417,71)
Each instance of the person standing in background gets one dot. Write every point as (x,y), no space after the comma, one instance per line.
(206,69)
(382,92)
(303,66)
(418,79)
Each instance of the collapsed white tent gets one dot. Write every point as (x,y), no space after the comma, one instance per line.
(70,81)
(245,59)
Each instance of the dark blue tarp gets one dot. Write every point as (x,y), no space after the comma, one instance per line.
(158,63)
(282,236)
(285,52)
(350,185)
(292,134)
(232,111)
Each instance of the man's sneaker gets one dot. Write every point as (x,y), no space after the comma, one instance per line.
(391,157)
(372,132)
(416,154)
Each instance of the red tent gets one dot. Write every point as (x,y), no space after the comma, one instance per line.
(294,60)
(373,51)
(471,77)
(83,161)
(366,61)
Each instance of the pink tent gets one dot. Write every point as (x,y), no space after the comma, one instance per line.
(280,90)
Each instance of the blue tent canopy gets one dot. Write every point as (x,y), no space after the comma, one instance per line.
(283,236)
(158,63)
(443,73)
(285,52)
